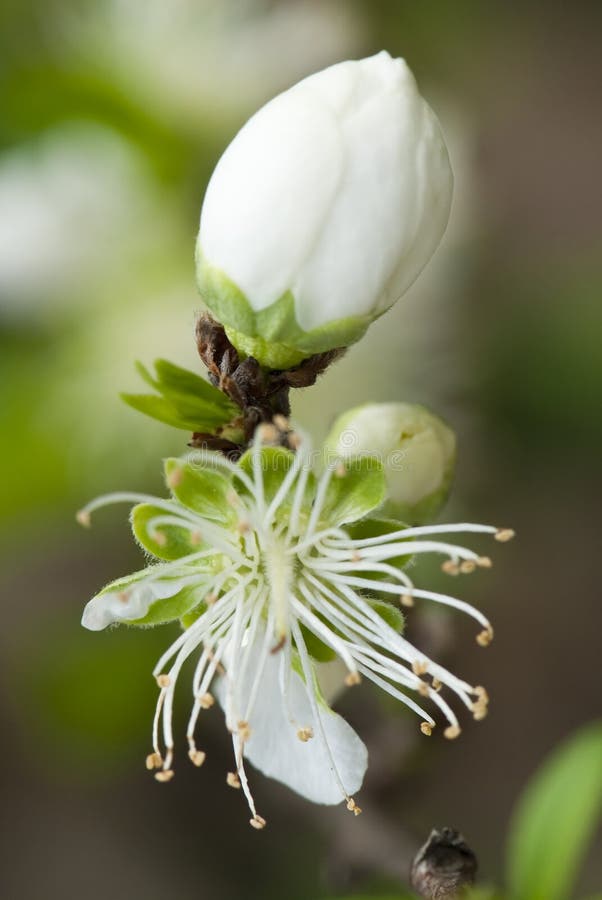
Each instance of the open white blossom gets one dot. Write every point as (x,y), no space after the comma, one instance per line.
(323,210)
(270,570)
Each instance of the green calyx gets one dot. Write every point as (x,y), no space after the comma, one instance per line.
(271,335)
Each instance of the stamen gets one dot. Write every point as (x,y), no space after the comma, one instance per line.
(163,681)
(420,667)
(244,731)
(353,678)
(206,700)
(504,534)
(153,761)
(484,562)
(485,637)
(452,732)
(305,734)
(257,822)
(426,728)
(233,781)
(197,757)
(406,600)
(450,567)
(84,518)
(353,807)
(468,566)
(164,775)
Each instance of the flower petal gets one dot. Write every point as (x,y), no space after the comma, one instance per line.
(276,750)
(135,600)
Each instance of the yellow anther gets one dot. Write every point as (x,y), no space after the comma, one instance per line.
(426,728)
(423,689)
(257,822)
(163,681)
(244,731)
(353,678)
(206,700)
(485,637)
(406,600)
(452,732)
(305,734)
(353,807)
(83,517)
(504,534)
(164,775)
(436,684)
(153,761)
(356,556)
(232,780)
(211,598)
(281,422)
(484,562)
(242,526)
(197,757)
(175,477)
(450,567)
(293,440)
(468,566)
(420,667)
(268,434)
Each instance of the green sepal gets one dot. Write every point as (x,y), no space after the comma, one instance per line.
(202,489)
(272,335)
(176,607)
(274,462)
(375,526)
(184,399)
(389,614)
(167,542)
(317,649)
(356,488)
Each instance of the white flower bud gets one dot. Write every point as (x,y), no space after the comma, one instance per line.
(417,449)
(323,210)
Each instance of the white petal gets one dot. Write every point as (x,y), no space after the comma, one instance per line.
(275,749)
(338,190)
(128,604)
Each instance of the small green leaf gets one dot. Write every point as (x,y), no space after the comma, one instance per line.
(202,489)
(181,381)
(186,400)
(555,819)
(356,488)
(166,542)
(161,409)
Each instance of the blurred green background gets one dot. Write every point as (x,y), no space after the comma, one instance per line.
(112,117)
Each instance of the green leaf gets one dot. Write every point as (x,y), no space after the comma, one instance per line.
(555,819)
(166,542)
(172,378)
(356,488)
(184,400)
(202,489)
(161,409)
